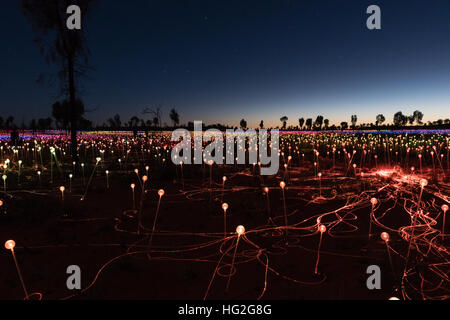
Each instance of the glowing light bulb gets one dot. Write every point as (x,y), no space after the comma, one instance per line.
(444,208)
(144,178)
(394,298)
(322,228)
(266,190)
(282,184)
(136,171)
(385,236)
(225,206)
(98,159)
(319,174)
(132,186)
(240,230)
(62,188)
(224,178)
(373,201)
(161,192)
(10,244)
(423,182)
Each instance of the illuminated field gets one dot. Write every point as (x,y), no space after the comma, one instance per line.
(141,227)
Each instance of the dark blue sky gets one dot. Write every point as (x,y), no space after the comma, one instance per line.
(220,61)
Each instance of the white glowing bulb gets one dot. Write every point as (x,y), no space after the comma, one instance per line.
(240,230)
(423,182)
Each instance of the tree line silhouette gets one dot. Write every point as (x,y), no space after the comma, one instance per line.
(152,120)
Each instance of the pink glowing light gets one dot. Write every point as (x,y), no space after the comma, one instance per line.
(385,236)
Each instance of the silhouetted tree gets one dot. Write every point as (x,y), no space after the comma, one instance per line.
(64,47)
(61,111)
(174,117)
(115,122)
(261,124)
(301,122)
(418,116)
(134,122)
(354,120)
(400,119)
(243,124)
(326,123)
(284,120)
(318,123)
(309,123)
(380,119)
(156,113)
(344,125)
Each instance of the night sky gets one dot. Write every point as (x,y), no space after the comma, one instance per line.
(220,61)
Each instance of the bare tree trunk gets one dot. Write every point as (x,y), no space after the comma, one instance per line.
(73,112)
